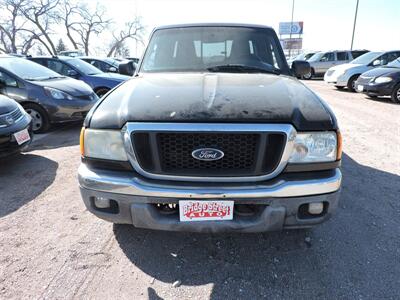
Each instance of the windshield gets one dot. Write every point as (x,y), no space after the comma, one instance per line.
(26,69)
(112,61)
(198,49)
(303,56)
(316,56)
(366,58)
(394,64)
(83,66)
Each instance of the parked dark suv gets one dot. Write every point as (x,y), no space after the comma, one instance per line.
(15,127)
(47,96)
(215,133)
(98,80)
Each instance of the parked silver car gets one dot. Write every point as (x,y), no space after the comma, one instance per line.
(322,61)
(347,74)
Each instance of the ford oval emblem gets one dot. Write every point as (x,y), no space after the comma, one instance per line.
(9,120)
(207,154)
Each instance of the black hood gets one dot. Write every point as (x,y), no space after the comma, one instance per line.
(7,105)
(381,71)
(68,85)
(214,97)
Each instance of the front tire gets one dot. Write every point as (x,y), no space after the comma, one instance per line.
(351,84)
(396,94)
(309,75)
(40,119)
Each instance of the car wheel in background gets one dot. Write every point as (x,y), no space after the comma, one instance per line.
(101,92)
(351,84)
(396,94)
(339,87)
(40,119)
(309,75)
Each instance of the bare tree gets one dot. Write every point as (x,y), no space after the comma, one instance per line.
(133,30)
(11,24)
(70,14)
(90,23)
(42,14)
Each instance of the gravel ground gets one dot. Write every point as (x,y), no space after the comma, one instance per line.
(51,247)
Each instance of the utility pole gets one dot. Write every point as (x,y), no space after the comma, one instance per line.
(354,26)
(291,25)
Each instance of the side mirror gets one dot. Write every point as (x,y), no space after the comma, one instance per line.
(72,73)
(112,69)
(127,68)
(300,68)
(376,62)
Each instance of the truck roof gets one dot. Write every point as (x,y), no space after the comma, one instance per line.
(212,25)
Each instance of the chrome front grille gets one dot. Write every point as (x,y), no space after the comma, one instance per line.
(251,151)
(10,118)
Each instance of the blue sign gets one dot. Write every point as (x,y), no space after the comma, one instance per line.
(287,27)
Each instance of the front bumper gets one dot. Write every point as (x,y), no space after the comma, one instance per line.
(336,80)
(383,89)
(8,144)
(69,110)
(278,200)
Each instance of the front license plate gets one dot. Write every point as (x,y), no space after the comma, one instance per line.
(191,210)
(360,88)
(22,136)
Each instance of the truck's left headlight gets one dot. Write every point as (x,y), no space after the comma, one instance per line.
(315,147)
(102,144)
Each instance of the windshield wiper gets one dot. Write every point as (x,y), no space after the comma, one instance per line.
(54,77)
(244,69)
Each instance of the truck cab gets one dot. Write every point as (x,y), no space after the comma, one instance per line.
(214,133)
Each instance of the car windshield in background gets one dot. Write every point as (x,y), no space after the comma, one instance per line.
(303,56)
(218,49)
(394,64)
(366,58)
(112,61)
(83,66)
(316,56)
(27,70)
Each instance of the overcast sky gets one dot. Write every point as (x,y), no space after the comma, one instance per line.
(328,24)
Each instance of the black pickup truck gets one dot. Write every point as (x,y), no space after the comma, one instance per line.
(214,133)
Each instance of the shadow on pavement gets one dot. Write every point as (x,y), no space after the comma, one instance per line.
(61,135)
(22,179)
(354,255)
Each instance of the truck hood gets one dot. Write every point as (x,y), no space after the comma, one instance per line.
(213,97)
(7,105)
(68,85)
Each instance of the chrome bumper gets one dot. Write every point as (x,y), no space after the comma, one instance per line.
(128,184)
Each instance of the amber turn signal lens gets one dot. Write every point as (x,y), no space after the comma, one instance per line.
(81,141)
(339,145)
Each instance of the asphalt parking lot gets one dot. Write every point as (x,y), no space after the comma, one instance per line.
(51,247)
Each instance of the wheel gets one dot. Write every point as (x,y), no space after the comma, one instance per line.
(396,94)
(339,87)
(40,119)
(101,92)
(351,84)
(309,75)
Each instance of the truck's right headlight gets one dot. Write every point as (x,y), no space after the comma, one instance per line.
(312,147)
(102,144)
